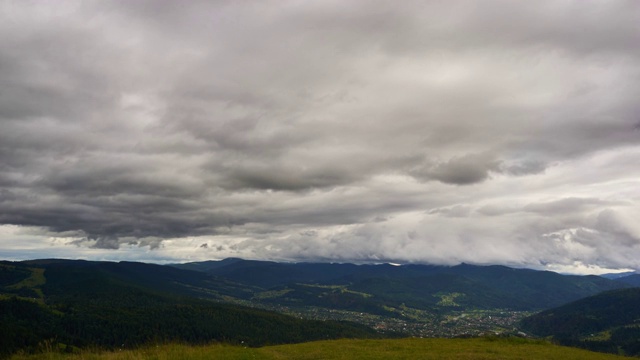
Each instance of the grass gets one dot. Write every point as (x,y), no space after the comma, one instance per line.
(448,299)
(271,294)
(343,289)
(459,349)
(36,279)
(33,282)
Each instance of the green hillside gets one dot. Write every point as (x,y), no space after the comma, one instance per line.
(609,322)
(633,280)
(458,349)
(79,305)
(416,286)
(421,300)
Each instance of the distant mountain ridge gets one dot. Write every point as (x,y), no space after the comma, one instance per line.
(421,286)
(613,276)
(633,280)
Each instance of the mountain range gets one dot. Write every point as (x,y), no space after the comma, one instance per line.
(421,286)
(76,303)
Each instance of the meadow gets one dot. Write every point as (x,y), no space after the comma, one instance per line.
(459,349)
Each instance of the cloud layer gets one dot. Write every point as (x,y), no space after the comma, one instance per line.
(499,132)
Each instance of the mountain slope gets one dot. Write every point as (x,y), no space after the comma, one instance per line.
(632,280)
(609,321)
(82,297)
(82,304)
(614,276)
(422,286)
(158,277)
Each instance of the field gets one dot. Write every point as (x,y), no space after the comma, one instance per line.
(477,348)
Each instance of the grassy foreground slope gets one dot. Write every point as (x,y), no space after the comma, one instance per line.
(460,349)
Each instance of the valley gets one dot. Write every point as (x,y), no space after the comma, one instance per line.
(414,322)
(76,304)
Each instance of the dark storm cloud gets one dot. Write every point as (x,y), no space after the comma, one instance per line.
(523,168)
(464,170)
(129,124)
(286,179)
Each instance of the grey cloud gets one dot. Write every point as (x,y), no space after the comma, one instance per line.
(270,178)
(554,208)
(567,205)
(544,24)
(105,242)
(497,210)
(460,170)
(463,170)
(379,219)
(528,167)
(130,123)
(453,211)
(609,221)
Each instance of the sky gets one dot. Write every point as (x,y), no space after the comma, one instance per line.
(493,132)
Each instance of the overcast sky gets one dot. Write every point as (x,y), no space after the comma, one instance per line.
(493,132)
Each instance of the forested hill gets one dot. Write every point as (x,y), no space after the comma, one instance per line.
(609,321)
(108,304)
(420,286)
(94,304)
(632,280)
